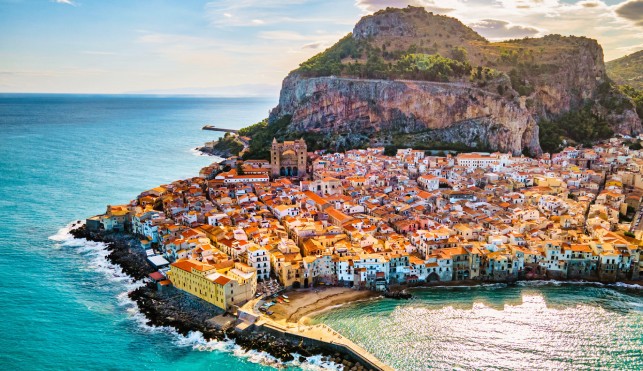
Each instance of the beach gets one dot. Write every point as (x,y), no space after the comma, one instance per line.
(306,302)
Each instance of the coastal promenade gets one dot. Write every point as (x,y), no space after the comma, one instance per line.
(318,335)
(322,335)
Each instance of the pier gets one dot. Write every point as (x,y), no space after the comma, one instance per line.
(214,128)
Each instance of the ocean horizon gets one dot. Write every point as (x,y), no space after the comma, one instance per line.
(64,157)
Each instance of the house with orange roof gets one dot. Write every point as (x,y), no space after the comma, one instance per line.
(337,217)
(117,218)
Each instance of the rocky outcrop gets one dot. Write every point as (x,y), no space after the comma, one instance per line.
(530,79)
(124,251)
(411,22)
(344,105)
(186,313)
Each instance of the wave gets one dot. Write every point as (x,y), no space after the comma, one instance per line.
(534,283)
(587,283)
(626,285)
(198,342)
(198,153)
(64,234)
(96,254)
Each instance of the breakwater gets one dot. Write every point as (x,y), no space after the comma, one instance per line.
(186,314)
(323,336)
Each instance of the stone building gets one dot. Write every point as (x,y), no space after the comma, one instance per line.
(288,158)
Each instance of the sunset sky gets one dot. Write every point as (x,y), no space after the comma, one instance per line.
(245,47)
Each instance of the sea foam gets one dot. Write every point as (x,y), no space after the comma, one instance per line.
(96,254)
(198,153)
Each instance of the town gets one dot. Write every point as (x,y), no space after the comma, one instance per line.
(361,219)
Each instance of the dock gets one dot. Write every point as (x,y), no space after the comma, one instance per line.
(214,128)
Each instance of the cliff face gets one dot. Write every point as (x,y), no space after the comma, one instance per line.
(517,83)
(343,105)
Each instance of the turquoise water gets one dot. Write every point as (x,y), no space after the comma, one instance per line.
(63,158)
(529,326)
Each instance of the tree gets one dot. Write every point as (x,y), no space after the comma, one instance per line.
(459,54)
(582,126)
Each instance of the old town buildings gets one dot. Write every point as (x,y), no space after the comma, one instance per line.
(367,220)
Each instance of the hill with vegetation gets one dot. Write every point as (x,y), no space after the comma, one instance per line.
(226,146)
(627,70)
(410,77)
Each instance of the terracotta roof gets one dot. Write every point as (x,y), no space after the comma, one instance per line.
(222,280)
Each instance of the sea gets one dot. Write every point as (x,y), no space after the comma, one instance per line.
(64,306)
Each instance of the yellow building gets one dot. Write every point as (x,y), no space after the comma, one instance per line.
(225,288)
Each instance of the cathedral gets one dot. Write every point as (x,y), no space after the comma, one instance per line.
(288,158)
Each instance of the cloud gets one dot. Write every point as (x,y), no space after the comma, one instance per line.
(282,35)
(631,49)
(631,10)
(497,29)
(67,2)
(315,45)
(251,13)
(590,4)
(370,6)
(96,52)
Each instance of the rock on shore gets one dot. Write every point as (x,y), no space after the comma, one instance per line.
(124,251)
(186,313)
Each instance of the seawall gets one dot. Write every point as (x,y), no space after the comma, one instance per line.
(319,336)
(181,311)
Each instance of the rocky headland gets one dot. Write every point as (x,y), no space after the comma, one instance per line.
(409,74)
(224,147)
(185,313)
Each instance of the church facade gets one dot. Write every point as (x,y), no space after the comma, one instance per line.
(288,158)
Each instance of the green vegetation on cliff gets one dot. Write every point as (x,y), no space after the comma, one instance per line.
(503,87)
(637,98)
(413,44)
(372,62)
(582,126)
(330,61)
(262,134)
(228,145)
(627,70)
(430,67)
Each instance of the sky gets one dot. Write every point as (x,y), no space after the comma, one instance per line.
(245,47)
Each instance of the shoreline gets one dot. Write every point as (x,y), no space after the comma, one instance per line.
(307,318)
(175,309)
(169,308)
(202,151)
(306,302)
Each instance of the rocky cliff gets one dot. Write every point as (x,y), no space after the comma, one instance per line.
(356,106)
(407,71)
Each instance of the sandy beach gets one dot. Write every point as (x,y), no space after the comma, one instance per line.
(306,302)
